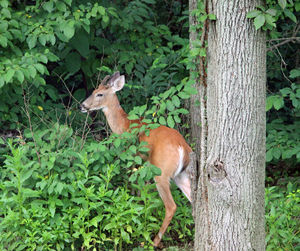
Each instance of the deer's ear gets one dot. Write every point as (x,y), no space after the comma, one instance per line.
(118,83)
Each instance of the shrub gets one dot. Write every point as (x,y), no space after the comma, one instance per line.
(282,218)
(60,194)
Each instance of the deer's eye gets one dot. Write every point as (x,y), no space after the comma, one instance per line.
(99,95)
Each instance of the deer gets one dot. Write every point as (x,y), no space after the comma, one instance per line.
(168,149)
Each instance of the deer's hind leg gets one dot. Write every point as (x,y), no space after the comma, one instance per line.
(163,187)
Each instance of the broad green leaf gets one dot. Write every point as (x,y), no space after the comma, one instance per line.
(282,3)
(3,41)
(253,13)
(212,16)
(19,75)
(31,41)
(269,155)
(26,175)
(269,103)
(285,91)
(278,103)
(51,94)
(105,19)
(270,20)
(60,5)
(176,101)
(42,39)
(32,71)
(170,121)
(117,142)
(259,21)
(138,160)
(101,10)
(295,73)
(170,106)
(9,74)
(3,26)
(276,153)
(69,30)
(40,68)
(290,15)
(162,120)
(183,95)
(59,187)
(48,6)
(271,12)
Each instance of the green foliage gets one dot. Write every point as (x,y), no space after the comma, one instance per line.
(57,193)
(266,18)
(282,212)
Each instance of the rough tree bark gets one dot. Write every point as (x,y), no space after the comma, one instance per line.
(229,209)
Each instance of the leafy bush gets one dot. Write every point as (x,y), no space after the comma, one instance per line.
(58,194)
(282,217)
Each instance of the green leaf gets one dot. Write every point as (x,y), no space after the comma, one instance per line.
(278,103)
(32,71)
(276,153)
(59,187)
(176,101)
(162,120)
(271,12)
(183,95)
(170,106)
(48,6)
(73,62)
(269,155)
(9,74)
(117,142)
(61,6)
(295,73)
(52,94)
(270,20)
(282,3)
(170,121)
(253,13)
(105,19)
(269,103)
(290,15)
(69,30)
(138,160)
(31,41)
(40,68)
(42,39)
(212,16)
(19,75)
(26,175)
(3,41)
(259,21)
(101,10)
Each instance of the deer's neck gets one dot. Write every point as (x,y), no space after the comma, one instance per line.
(116,117)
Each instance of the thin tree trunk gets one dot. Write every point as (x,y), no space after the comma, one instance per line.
(232,215)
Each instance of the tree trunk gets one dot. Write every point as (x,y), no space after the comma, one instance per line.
(231,215)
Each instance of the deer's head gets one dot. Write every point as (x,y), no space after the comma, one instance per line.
(105,94)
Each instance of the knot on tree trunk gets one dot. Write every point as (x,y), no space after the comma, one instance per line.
(216,171)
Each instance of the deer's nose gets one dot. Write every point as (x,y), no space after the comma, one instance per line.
(83,108)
